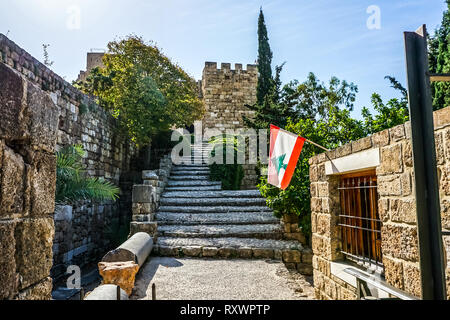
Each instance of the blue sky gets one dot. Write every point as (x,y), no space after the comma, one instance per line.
(327,37)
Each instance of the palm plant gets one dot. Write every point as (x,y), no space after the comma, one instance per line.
(72,182)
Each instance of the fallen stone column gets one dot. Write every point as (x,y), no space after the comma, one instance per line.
(106,292)
(137,249)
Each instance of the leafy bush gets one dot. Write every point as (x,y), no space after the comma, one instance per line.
(72,183)
(230,175)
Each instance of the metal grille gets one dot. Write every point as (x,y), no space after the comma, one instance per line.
(359,220)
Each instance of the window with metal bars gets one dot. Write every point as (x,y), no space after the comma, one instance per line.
(359,220)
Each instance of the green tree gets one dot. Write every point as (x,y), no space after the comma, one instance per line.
(72,182)
(265,81)
(388,115)
(144,89)
(439,61)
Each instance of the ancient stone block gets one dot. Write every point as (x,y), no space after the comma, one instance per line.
(403,210)
(39,291)
(14,119)
(397,133)
(445,214)
(12,183)
(412,282)
(391,160)
(381,138)
(393,272)
(143,193)
(405,180)
(307,256)
(389,185)
(361,144)
(119,273)
(44,117)
(344,150)
(227,252)
(9,279)
(262,253)
(43,184)
(168,251)
(209,251)
(444,184)
(439,144)
(407,154)
(245,253)
(321,246)
(147,227)
(383,209)
(400,241)
(34,240)
(192,251)
(292,256)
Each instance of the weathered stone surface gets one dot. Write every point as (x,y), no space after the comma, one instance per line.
(192,251)
(12,186)
(34,240)
(39,291)
(119,273)
(389,185)
(260,253)
(149,175)
(143,193)
(393,271)
(305,268)
(209,251)
(245,253)
(383,209)
(403,210)
(391,160)
(227,252)
(397,133)
(445,215)
(361,144)
(106,292)
(412,279)
(380,139)
(9,279)
(344,150)
(307,256)
(43,184)
(13,122)
(439,144)
(137,249)
(400,242)
(147,227)
(44,117)
(292,256)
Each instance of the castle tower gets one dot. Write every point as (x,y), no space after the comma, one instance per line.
(225,92)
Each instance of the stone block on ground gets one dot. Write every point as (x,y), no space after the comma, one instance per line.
(143,193)
(137,249)
(119,273)
(106,292)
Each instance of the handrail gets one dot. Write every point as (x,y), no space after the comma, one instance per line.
(380,284)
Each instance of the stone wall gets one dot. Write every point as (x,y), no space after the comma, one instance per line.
(225,92)
(396,207)
(80,234)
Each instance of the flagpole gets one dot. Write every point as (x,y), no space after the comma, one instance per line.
(317,145)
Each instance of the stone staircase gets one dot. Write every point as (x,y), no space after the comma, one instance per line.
(196,218)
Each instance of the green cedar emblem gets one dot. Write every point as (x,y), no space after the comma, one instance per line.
(278,162)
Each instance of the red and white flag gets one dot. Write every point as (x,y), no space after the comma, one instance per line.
(285,148)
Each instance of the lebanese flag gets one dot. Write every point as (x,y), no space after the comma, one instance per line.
(285,148)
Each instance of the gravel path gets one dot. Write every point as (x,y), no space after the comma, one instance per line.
(211,279)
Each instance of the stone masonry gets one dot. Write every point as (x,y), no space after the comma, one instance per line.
(79,235)
(396,207)
(225,92)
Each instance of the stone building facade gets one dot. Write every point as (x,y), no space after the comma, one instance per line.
(389,153)
(225,93)
(74,235)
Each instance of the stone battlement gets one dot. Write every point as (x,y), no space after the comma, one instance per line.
(226,67)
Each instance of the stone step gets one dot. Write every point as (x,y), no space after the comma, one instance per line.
(170,218)
(259,231)
(214,209)
(185,167)
(244,248)
(189,177)
(192,188)
(213,194)
(212,201)
(173,183)
(202,172)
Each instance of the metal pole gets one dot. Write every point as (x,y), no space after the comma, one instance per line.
(82,294)
(432,268)
(118,293)
(153,292)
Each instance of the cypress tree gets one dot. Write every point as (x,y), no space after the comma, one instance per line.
(265,81)
(439,58)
